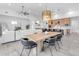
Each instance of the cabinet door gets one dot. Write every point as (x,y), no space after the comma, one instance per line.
(7,37)
(67,21)
(22,34)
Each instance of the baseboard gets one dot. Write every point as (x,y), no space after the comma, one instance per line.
(10,42)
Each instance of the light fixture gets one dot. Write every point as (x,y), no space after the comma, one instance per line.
(46,15)
(37,22)
(14,22)
(23,11)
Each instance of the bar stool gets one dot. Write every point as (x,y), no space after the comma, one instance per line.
(28,45)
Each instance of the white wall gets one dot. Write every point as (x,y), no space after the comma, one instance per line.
(75,24)
(7,19)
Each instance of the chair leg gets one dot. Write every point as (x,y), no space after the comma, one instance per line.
(61,43)
(29,52)
(58,44)
(51,51)
(22,51)
(55,47)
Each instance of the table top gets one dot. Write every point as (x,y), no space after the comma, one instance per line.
(41,36)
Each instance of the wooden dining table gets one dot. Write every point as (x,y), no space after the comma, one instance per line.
(40,37)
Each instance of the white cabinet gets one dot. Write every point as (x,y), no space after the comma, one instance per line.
(7,37)
(22,33)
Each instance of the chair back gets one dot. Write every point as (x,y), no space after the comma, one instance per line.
(43,30)
(24,41)
(59,36)
(49,30)
(51,40)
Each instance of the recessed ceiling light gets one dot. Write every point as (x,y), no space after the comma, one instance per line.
(37,22)
(70,12)
(40,4)
(9,4)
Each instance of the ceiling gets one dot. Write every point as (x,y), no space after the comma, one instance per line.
(59,10)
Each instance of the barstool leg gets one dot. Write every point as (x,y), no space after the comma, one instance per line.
(29,52)
(22,51)
(51,51)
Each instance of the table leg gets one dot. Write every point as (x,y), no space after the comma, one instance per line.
(39,46)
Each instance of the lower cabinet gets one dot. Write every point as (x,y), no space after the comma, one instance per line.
(8,36)
(22,34)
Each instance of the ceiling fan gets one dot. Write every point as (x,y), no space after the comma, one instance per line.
(23,12)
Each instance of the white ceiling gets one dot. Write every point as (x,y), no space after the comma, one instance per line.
(60,10)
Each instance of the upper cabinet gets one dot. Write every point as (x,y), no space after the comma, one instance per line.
(65,21)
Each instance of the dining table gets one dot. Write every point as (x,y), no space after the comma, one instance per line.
(40,37)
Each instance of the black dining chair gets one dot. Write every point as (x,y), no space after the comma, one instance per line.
(55,30)
(28,45)
(58,39)
(62,32)
(49,30)
(50,42)
(43,30)
(59,30)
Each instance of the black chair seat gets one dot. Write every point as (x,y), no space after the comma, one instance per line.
(53,36)
(30,44)
(59,36)
(50,41)
(58,40)
(25,38)
(50,44)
